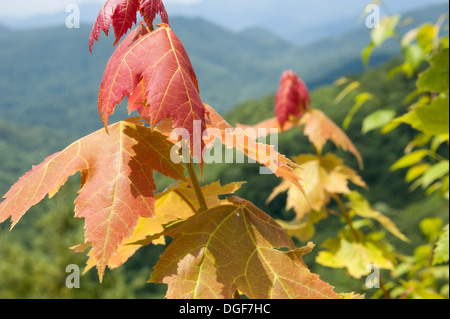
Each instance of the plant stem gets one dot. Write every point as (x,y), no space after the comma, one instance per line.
(197,187)
(347,218)
(318,152)
(186,201)
(385,291)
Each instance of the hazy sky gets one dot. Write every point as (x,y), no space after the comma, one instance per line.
(294,20)
(25,8)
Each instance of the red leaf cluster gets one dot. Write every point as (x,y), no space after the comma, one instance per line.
(122,15)
(292,98)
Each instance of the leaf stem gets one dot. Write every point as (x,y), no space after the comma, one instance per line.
(347,218)
(383,288)
(186,201)
(197,187)
(318,151)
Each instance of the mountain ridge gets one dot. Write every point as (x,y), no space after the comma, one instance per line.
(300,22)
(50,79)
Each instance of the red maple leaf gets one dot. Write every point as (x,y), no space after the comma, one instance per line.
(292,98)
(117,183)
(150,8)
(122,15)
(154,71)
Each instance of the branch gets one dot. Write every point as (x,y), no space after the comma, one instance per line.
(197,187)
(347,218)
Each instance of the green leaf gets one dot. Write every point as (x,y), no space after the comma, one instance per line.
(446,186)
(433,188)
(421,255)
(431,227)
(386,30)
(412,96)
(348,89)
(410,159)
(420,140)
(432,119)
(426,37)
(441,250)
(435,79)
(435,172)
(445,42)
(367,52)
(377,120)
(390,127)
(435,144)
(360,99)
(414,55)
(305,229)
(406,68)
(416,171)
(361,207)
(355,256)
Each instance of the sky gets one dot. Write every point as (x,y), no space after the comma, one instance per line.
(26,8)
(289,19)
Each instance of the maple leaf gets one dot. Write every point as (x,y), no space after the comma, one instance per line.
(322,177)
(357,256)
(320,128)
(155,71)
(122,15)
(359,206)
(137,102)
(236,247)
(215,120)
(175,203)
(116,178)
(150,8)
(292,98)
(304,229)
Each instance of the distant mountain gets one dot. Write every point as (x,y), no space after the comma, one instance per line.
(300,22)
(49,78)
(3,28)
(23,146)
(88,14)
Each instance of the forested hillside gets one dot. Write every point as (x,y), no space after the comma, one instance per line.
(50,79)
